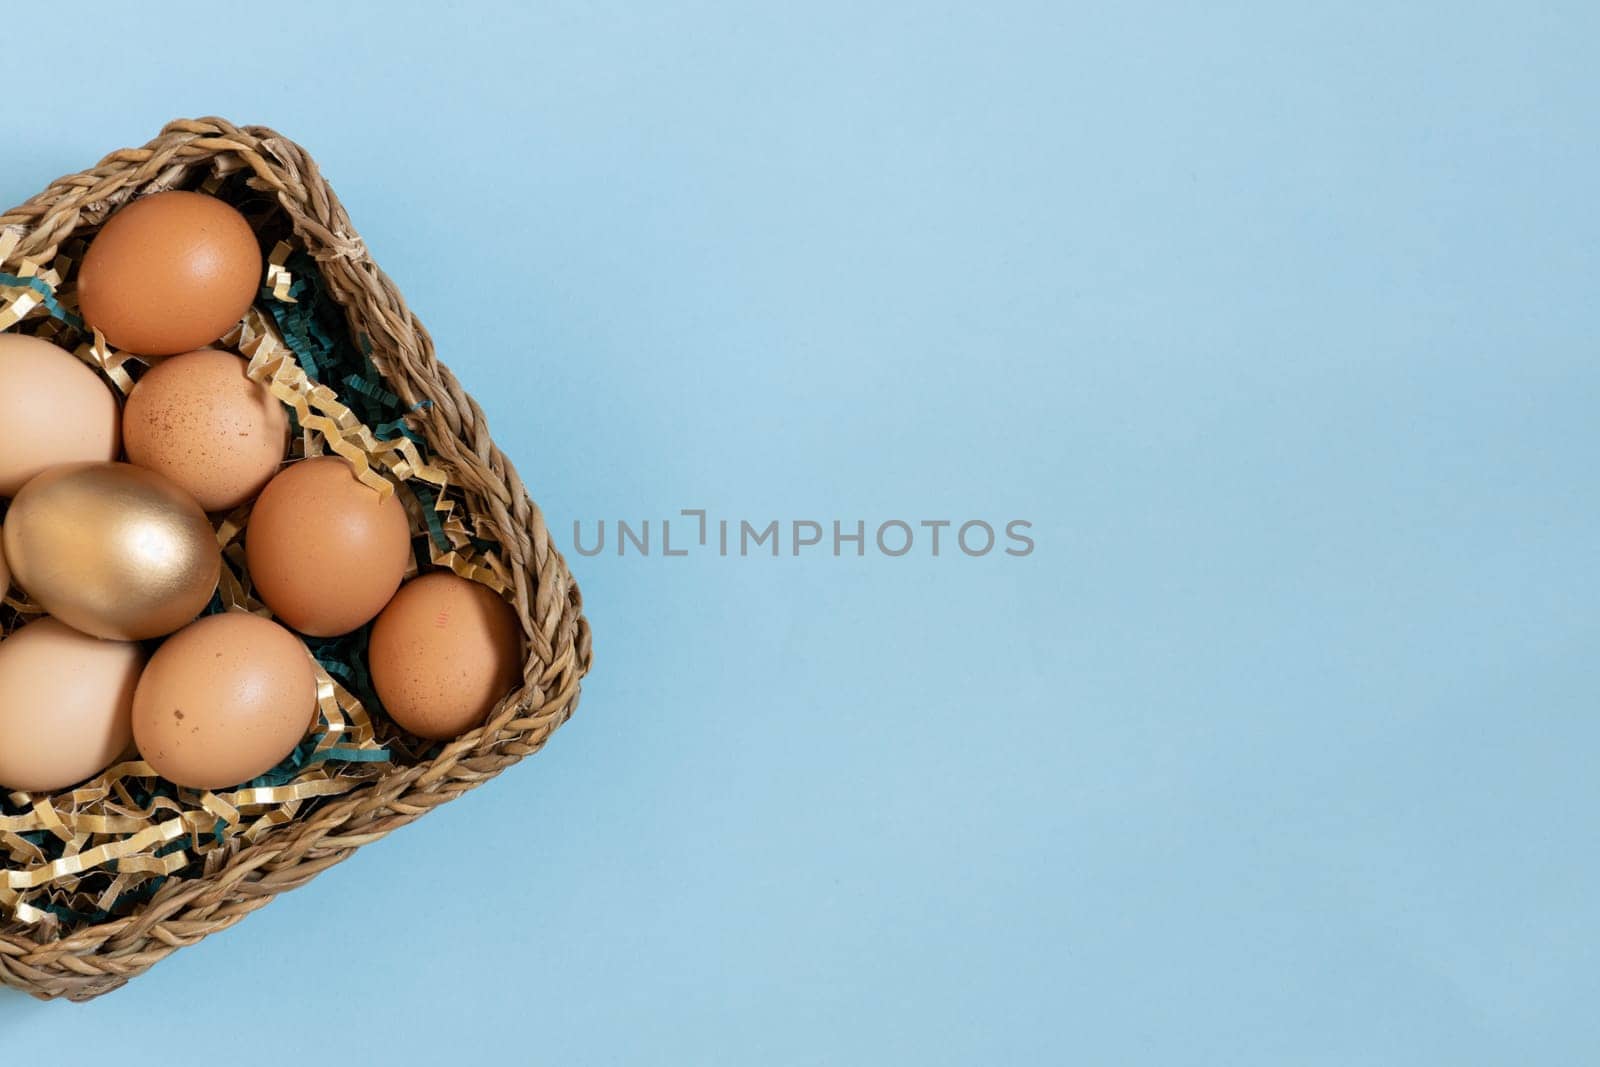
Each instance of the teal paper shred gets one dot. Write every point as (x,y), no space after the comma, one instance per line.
(345,658)
(305,324)
(297,336)
(345,754)
(355,679)
(306,755)
(337,653)
(47,296)
(428,498)
(288,770)
(388,431)
(314,329)
(371,390)
(139,893)
(341,672)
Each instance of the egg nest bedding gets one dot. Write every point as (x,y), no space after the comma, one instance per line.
(96,852)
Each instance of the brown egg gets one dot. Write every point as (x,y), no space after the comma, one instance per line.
(325,552)
(112,549)
(224,700)
(53,409)
(169,273)
(65,701)
(199,419)
(443,653)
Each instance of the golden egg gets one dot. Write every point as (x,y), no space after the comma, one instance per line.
(111,549)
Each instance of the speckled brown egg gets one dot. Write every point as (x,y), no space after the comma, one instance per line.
(223,701)
(53,410)
(169,273)
(65,700)
(443,653)
(325,551)
(199,419)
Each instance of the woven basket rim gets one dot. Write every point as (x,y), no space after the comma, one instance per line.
(91,960)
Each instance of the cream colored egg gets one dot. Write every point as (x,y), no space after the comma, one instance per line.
(66,701)
(53,409)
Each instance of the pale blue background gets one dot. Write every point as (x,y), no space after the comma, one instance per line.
(1281,328)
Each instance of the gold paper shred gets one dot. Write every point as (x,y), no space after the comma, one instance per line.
(231,589)
(279,278)
(16,302)
(300,790)
(50,819)
(359,724)
(19,603)
(86,823)
(119,885)
(274,366)
(21,300)
(276,817)
(18,824)
(113,364)
(24,912)
(20,848)
(159,834)
(220,808)
(171,863)
(328,702)
(70,255)
(232,525)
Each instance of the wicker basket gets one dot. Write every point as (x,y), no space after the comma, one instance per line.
(91,960)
